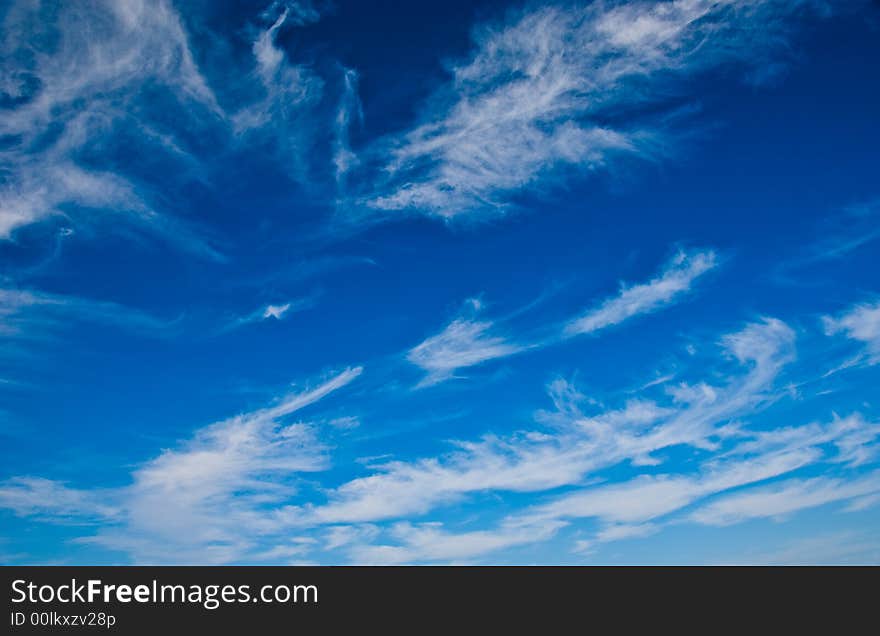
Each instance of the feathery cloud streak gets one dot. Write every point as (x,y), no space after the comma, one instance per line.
(576,444)
(94,77)
(204,501)
(674,280)
(465,342)
(544,90)
(860,323)
(77,78)
(242,473)
(468,341)
(27,314)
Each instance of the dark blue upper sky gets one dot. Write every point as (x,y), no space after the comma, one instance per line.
(463,282)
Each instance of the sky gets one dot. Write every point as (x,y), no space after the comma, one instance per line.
(458,282)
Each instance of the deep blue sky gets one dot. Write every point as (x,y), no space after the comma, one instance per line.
(472,282)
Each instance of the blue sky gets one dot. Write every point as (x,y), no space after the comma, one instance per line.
(474,282)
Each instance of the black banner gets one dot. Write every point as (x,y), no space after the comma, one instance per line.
(287,600)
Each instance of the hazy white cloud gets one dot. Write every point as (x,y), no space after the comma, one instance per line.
(430,542)
(276,311)
(37,497)
(840,235)
(783,499)
(574,444)
(648,498)
(45,184)
(205,500)
(856,440)
(212,487)
(289,90)
(344,536)
(191,502)
(469,340)
(675,280)
(77,76)
(540,90)
(84,81)
(622,531)
(31,314)
(349,113)
(643,505)
(860,323)
(280,311)
(297,12)
(838,548)
(465,342)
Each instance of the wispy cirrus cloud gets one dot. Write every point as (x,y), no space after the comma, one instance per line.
(349,113)
(842,234)
(852,437)
(30,314)
(575,447)
(847,547)
(278,311)
(465,342)
(550,87)
(650,497)
(568,86)
(646,502)
(860,323)
(288,88)
(208,500)
(469,340)
(36,497)
(575,444)
(70,79)
(675,280)
(431,542)
(786,498)
(244,472)
(86,82)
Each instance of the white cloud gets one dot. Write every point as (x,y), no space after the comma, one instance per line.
(30,314)
(643,505)
(34,496)
(621,531)
(545,90)
(675,280)
(429,542)
(234,490)
(783,499)
(838,548)
(348,113)
(465,342)
(575,444)
(289,90)
(268,56)
(840,235)
(856,440)
(77,77)
(469,340)
(861,323)
(630,509)
(204,501)
(276,311)
(648,498)
(43,186)
(280,311)
(214,485)
(344,536)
